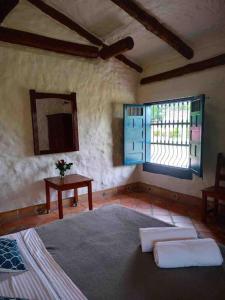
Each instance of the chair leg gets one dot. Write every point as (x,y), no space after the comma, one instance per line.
(216,204)
(204,207)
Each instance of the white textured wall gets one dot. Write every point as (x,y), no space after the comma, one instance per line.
(210,82)
(101,89)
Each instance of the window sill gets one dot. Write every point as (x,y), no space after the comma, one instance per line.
(167,170)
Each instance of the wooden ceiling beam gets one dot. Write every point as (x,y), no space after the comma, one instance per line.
(45,43)
(154,26)
(5,7)
(190,68)
(129,63)
(117,48)
(61,18)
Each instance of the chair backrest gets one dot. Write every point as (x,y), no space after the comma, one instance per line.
(220,169)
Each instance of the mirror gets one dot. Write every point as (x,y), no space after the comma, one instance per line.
(54,119)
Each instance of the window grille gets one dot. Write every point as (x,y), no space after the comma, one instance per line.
(166,136)
(170,133)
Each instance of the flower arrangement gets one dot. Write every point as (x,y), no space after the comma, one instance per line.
(62,166)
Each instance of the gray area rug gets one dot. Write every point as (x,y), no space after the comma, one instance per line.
(100,251)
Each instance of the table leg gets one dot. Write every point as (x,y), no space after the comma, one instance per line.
(216,205)
(60,207)
(75,199)
(90,195)
(47,191)
(204,207)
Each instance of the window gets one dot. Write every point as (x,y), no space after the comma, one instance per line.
(165,136)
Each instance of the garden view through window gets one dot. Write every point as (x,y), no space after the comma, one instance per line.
(170,133)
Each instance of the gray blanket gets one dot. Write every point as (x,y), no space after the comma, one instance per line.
(100,251)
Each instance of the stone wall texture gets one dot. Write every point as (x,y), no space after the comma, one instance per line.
(101,87)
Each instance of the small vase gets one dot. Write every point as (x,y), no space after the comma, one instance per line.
(62,174)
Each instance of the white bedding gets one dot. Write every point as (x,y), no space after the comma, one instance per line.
(187,253)
(44,279)
(149,236)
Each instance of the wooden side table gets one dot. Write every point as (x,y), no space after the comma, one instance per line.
(69,182)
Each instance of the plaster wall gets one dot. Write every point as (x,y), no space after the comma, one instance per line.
(210,82)
(101,86)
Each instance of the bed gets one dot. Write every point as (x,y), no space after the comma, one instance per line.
(100,253)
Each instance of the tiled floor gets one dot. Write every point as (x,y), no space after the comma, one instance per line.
(159,208)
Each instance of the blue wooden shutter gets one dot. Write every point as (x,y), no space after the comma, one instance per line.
(147,133)
(134,134)
(196,134)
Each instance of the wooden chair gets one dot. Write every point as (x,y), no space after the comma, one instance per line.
(217,192)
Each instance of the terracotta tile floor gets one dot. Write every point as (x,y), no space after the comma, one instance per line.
(174,213)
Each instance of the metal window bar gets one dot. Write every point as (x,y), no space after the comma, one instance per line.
(170,128)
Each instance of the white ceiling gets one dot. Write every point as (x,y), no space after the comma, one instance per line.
(189,19)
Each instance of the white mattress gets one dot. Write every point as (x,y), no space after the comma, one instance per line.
(44,279)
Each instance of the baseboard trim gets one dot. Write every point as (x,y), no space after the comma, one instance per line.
(167,194)
(38,209)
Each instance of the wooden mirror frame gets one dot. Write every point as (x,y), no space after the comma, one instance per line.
(34,97)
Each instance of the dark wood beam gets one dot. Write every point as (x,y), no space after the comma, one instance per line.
(190,68)
(154,26)
(45,43)
(61,18)
(129,63)
(117,48)
(5,7)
